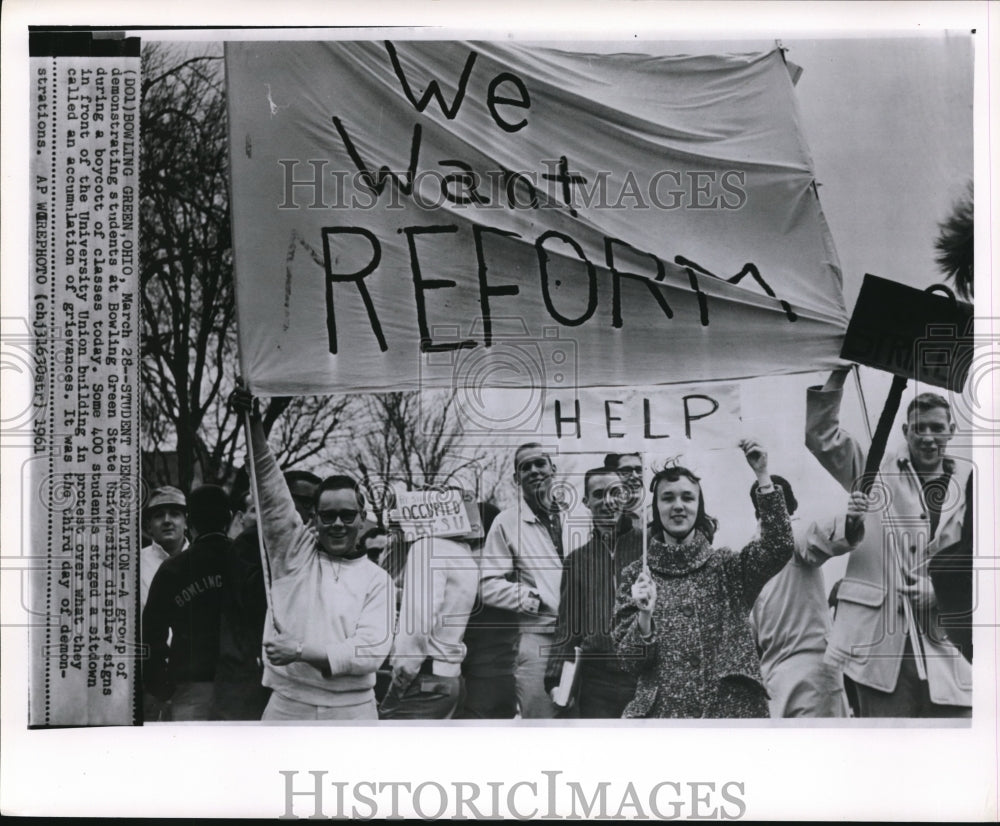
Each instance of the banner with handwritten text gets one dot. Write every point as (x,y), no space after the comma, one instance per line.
(437,214)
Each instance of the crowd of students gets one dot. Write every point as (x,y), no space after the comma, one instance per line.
(308,610)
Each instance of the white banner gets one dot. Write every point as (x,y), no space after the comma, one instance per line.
(405,213)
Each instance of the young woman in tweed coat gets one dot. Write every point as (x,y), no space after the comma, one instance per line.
(683,626)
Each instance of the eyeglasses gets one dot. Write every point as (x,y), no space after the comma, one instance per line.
(345,515)
(630,471)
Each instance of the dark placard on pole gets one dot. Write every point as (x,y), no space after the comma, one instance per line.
(914,334)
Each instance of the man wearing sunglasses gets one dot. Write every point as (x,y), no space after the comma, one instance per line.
(330,623)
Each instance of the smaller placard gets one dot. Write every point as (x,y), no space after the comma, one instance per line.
(431,513)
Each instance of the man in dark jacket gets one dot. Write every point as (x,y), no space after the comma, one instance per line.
(180,623)
(587,601)
(239,693)
(628,466)
(491,637)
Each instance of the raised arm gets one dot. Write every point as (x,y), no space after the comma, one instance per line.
(278,519)
(835,449)
(833,537)
(763,558)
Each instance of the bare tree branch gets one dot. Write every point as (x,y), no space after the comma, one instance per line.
(189,342)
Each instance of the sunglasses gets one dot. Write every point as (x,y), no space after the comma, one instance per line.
(345,515)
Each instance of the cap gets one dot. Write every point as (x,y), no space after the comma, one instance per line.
(166,495)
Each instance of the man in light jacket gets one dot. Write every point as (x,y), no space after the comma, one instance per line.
(887,634)
(521,570)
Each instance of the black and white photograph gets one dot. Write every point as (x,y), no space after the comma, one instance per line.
(449,414)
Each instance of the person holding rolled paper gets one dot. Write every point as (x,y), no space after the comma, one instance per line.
(887,634)
(682,621)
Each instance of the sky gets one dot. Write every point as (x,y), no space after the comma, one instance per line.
(889,125)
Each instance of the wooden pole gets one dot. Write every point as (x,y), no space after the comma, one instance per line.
(265,562)
(881,437)
(642,516)
(872,465)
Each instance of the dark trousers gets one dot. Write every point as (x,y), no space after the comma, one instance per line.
(910,699)
(604,694)
(244,700)
(192,701)
(428,697)
(488,698)
(154,710)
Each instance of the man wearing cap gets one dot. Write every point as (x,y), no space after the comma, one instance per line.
(180,624)
(165,520)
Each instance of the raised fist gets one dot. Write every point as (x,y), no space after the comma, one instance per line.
(756,456)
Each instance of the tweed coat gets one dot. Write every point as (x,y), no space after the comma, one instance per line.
(702,661)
